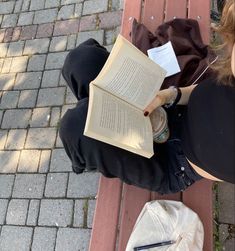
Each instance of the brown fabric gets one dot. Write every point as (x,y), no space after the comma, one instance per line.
(192,54)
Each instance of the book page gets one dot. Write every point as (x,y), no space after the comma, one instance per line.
(118,123)
(130,75)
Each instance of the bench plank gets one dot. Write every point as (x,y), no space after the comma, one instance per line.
(175,9)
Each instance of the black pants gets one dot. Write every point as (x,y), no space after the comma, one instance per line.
(166,172)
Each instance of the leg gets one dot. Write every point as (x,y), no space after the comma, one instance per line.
(82,65)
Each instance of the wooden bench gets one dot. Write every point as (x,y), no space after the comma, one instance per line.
(118,205)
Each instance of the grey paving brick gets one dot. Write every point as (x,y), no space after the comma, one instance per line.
(34,46)
(66,12)
(3,49)
(9,20)
(97,35)
(29,186)
(1,114)
(65,108)
(55,60)
(3,135)
(36,63)
(37,5)
(9,99)
(1,62)
(25,5)
(45,16)
(17,118)
(94,6)
(55,116)
(6,65)
(40,117)
(62,81)
(9,161)
(71,41)
(78,10)
(65,2)
(91,211)
(15,238)
(29,161)
(26,18)
(50,78)
(60,161)
(226,198)
(7,81)
(6,7)
(70,239)
(78,219)
(52,3)
(55,213)
(16,139)
(33,212)
(6,184)
(28,80)
(3,210)
(84,185)
(51,96)
(19,64)
(27,98)
(117,4)
(56,185)
(17,212)
(18,6)
(44,161)
(44,239)
(70,98)
(39,138)
(15,49)
(58,44)
(58,143)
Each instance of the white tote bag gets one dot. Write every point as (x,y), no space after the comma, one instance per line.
(163,221)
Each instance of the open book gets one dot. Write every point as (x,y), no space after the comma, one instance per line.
(127,83)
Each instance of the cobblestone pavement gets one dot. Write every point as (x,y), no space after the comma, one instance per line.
(43,204)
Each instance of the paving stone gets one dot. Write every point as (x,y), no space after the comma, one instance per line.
(58,143)
(40,117)
(44,161)
(36,63)
(78,10)
(28,80)
(9,161)
(56,213)
(45,30)
(223,232)
(229,245)
(78,219)
(226,198)
(29,186)
(2,34)
(94,6)
(26,18)
(28,32)
(70,98)
(3,210)
(27,99)
(1,114)
(65,2)
(62,81)
(58,44)
(25,5)
(55,116)
(71,42)
(16,34)
(18,6)
(17,212)
(6,184)
(70,239)
(16,139)
(6,7)
(6,65)
(9,20)
(97,35)
(44,239)
(65,108)
(56,185)
(33,212)
(45,16)
(55,60)
(60,161)
(39,45)
(37,5)
(117,4)
(66,12)
(9,99)
(17,118)
(15,238)
(110,36)
(3,135)
(39,138)
(50,78)
(19,64)
(51,96)
(110,19)
(1,63)
(91,211)
(66,27)
(8,35)
(52,3)
(83,185)
(7,81)
(88,23)
(3,49)
(15,49)
(29,161)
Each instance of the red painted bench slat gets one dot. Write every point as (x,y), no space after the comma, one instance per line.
(175,9)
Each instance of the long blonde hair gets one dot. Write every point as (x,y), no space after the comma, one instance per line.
(226,29)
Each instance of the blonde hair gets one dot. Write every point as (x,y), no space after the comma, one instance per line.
(226,29)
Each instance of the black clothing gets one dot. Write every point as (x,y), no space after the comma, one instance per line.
(167,171)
